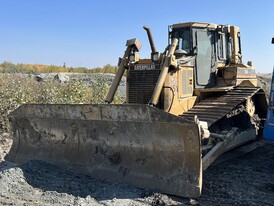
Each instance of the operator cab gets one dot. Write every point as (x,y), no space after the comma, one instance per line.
(204,46)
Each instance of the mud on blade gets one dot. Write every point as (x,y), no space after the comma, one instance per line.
(136,144)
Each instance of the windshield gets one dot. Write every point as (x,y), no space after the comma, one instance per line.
(183,35)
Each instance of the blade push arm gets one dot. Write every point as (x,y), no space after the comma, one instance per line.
(133,45)
(166,63)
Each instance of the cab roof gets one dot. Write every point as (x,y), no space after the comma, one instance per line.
(195,24)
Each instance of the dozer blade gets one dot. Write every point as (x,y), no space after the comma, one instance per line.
(135,144)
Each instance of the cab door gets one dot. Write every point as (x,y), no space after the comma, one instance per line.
(205,59)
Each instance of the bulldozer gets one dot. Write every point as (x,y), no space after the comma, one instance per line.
(184,107)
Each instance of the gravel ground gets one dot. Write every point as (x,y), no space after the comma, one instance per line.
(242,180)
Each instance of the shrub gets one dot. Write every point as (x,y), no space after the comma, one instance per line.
(100,89)
(17,89)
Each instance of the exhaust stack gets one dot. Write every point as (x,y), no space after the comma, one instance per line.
(150,38)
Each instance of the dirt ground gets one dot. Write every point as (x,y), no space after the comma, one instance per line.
(247,179)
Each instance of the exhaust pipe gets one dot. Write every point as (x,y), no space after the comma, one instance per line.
(150,38)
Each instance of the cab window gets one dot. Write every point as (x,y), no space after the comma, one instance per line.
(222,47)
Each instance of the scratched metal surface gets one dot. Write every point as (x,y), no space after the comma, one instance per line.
(136,144)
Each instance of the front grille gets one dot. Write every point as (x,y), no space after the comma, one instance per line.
(141,84)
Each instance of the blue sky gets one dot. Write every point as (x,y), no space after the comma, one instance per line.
(93,33)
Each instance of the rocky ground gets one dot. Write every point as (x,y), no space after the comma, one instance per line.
(235,179)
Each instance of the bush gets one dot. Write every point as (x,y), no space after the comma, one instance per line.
(100,89)
(18,89)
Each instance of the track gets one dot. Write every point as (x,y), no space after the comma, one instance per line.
(215,108)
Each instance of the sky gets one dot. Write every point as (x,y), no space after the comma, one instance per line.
(93,33)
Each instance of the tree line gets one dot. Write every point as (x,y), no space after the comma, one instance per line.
(8,67)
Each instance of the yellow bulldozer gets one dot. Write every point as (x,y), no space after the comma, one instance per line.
(184,108)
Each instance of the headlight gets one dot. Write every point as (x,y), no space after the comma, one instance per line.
(132,58)
(155,56)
